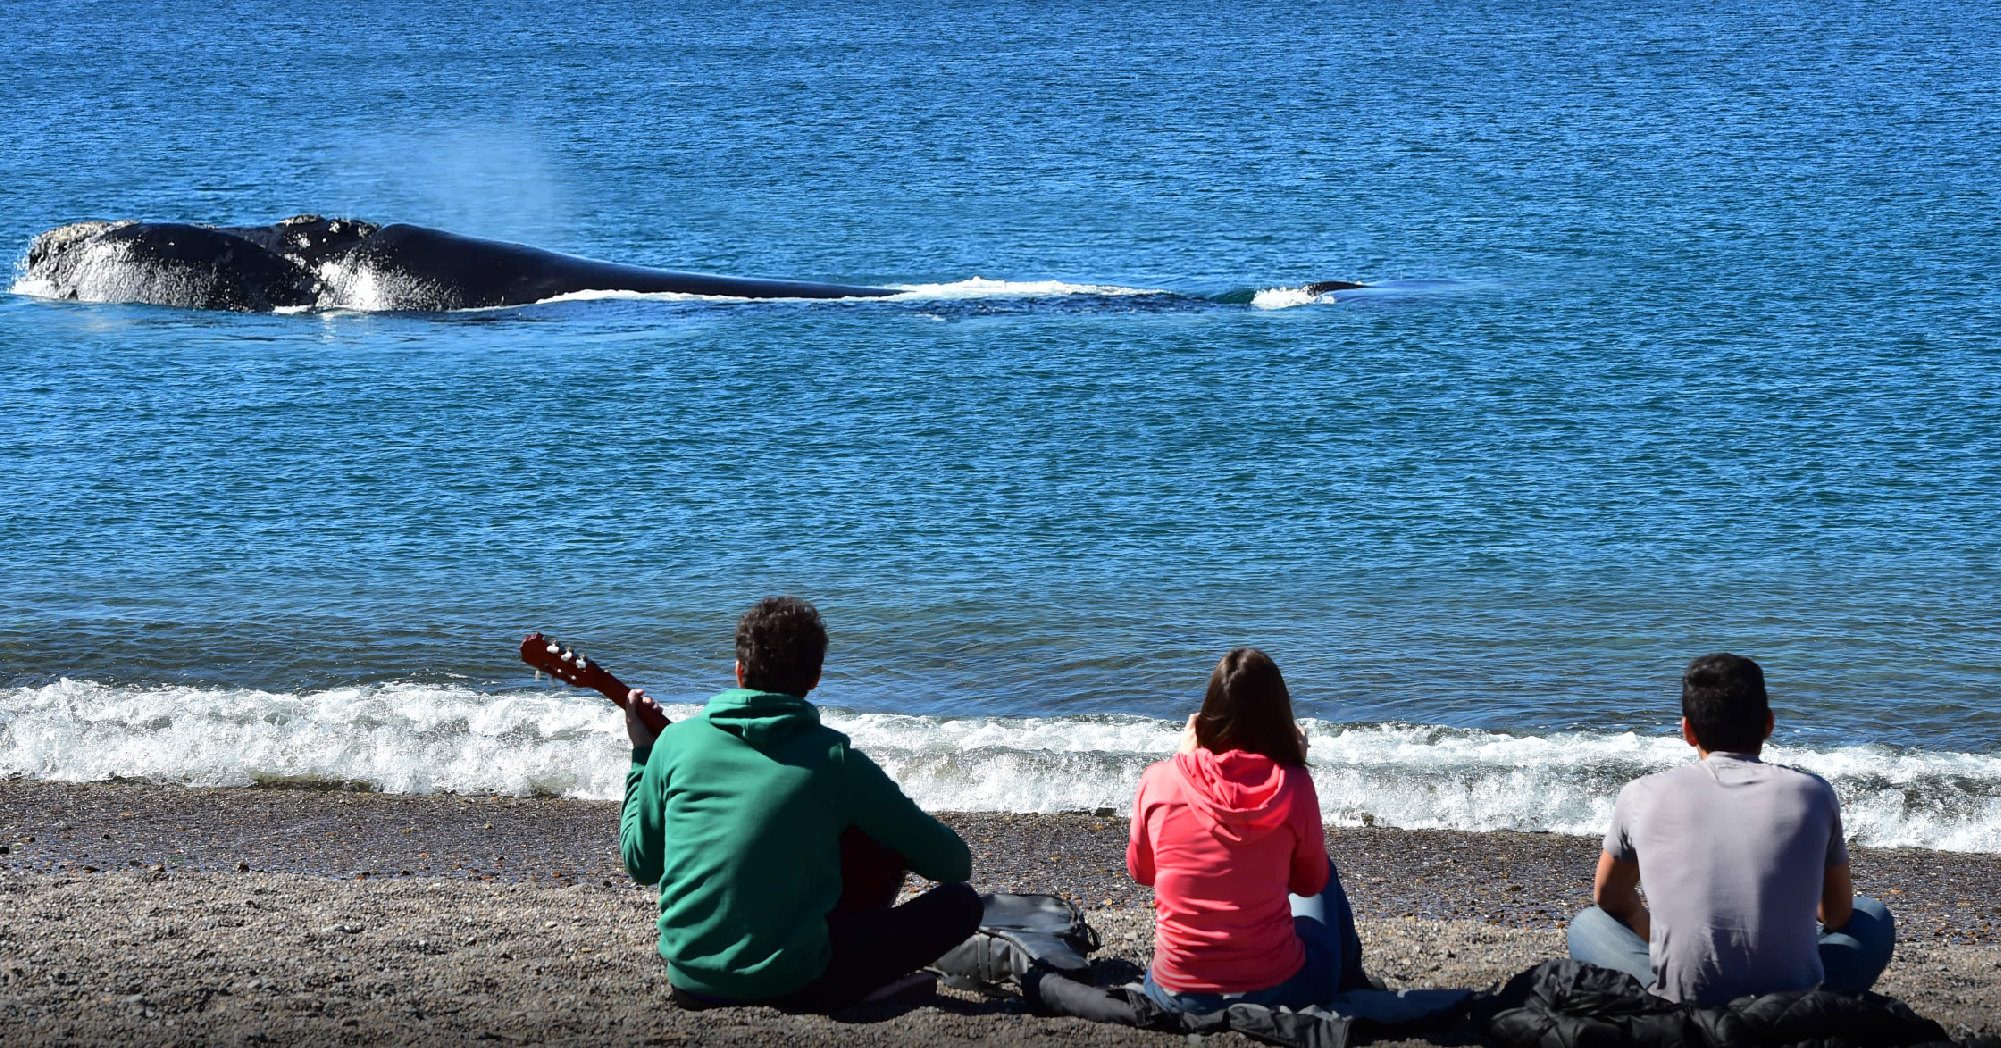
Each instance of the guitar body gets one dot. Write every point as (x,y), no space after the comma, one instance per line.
(871,874)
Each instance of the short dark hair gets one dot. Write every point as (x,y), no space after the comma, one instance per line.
(1248,708)
(781,644)
(1723,697)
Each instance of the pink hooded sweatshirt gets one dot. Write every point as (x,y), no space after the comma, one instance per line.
(1222,838)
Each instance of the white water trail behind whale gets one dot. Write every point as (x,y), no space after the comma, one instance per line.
(423,738)
(358,289)
(973,288)
(110,274)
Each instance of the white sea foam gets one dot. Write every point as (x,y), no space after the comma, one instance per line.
(402,738)
(975,288)
(1378,290)
(1286,298)
(979,287)
(35,287)
(412,738)
(596,295)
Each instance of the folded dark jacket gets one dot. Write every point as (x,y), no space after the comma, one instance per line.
(1359,1014)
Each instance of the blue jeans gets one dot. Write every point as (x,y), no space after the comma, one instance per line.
(1853,957)
(1326,928)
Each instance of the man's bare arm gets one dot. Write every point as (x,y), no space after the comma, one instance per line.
(1837,898)
(1616,890)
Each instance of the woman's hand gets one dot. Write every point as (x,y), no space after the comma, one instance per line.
(1188,743)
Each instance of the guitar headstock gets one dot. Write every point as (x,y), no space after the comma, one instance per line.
(559,661)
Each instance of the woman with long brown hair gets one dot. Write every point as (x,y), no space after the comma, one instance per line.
(1247,906)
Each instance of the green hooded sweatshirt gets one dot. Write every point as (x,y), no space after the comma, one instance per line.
(737,813)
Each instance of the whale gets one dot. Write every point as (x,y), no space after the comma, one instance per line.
(307,261)
(310,262)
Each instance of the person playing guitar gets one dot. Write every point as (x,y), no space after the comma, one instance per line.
(777,846)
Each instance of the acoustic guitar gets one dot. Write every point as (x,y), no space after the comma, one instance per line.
(871,874)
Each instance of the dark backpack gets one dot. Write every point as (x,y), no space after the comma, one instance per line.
(1019,934)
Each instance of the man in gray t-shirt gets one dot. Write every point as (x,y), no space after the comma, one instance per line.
(1739,859)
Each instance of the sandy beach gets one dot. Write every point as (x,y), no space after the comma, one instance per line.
(149,915)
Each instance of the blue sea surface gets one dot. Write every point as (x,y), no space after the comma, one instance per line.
(1687,338)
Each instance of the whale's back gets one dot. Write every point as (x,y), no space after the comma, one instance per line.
(432,269)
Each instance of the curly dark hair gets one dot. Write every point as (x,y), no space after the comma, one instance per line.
(781,644)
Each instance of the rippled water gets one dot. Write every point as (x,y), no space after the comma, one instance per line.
(1689,340)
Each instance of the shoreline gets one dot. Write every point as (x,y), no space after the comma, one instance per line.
(138,958)
(516,925)
(1504,877)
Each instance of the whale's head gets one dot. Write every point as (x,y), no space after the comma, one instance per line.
(166,264)
(53,249)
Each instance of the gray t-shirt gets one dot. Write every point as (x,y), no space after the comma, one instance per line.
(1733,854)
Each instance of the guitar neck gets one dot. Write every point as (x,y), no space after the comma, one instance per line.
(573,668)
(610,687)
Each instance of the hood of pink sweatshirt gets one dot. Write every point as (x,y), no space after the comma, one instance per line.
(1237,796)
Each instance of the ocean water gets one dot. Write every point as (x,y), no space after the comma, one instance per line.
(1684,335)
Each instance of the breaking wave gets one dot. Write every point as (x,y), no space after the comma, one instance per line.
(416,738)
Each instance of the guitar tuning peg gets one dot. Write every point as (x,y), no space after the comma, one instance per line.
(580,661)
(567,656)
(554,648)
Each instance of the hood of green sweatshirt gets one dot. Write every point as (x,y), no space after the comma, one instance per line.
(761,718)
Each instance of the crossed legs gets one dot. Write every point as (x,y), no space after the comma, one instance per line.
(1853,957)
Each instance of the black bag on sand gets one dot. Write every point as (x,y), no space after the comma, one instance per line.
(1019,934)
(1567,1003)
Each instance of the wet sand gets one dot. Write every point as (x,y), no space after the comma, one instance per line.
(149,915)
